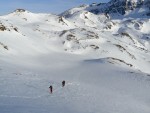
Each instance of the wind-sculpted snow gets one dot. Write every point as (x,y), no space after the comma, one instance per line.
(103,57)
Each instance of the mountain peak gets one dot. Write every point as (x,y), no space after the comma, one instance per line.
(20,10)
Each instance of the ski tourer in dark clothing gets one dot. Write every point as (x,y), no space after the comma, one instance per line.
(51,89)
(63,83)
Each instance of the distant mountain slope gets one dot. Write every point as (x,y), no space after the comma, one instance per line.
(134,8)
(86,29)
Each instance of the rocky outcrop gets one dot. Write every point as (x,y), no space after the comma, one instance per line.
(20,10)
(119,6)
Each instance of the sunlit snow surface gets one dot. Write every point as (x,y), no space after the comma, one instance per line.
(105,63)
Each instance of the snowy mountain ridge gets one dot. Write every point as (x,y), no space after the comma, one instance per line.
(79,31)
(101,50)
(120,7)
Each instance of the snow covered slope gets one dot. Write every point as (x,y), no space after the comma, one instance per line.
(103,55)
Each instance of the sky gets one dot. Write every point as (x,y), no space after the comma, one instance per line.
(42,6)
